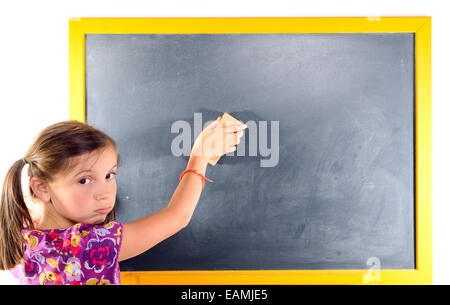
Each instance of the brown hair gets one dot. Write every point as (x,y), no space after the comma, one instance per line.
(50,155)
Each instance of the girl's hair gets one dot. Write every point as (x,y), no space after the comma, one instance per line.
(50,156)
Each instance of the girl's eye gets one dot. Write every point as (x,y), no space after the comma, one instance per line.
(84,179)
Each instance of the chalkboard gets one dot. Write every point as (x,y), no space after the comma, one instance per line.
(324,176)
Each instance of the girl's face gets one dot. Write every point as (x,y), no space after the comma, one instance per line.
(88,193)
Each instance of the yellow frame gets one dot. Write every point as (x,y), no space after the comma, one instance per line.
(421,26)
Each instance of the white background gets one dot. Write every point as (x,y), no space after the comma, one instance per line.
(34,71)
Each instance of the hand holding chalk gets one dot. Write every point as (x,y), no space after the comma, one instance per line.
(218,138)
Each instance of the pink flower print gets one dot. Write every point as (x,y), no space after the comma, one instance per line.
(65,246)
(100,254)
(31,268)
(53,235)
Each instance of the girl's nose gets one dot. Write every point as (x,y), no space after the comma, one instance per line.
(105,190)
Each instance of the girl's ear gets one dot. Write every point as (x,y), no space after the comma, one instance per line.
(40,189)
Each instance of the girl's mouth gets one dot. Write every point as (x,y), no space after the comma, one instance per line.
(103,211)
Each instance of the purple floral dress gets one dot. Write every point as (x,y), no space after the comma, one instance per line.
(80,255)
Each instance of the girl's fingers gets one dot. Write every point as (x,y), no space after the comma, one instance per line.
(235,128)
(223,139)
(232,139)
(227,142)
(230,149)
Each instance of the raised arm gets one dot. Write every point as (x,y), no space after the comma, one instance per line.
(144,233)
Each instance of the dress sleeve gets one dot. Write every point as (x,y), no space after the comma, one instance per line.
(99,249)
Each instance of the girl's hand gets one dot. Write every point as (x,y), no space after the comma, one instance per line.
(216,140)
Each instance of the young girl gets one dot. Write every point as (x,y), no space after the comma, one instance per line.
(75,239)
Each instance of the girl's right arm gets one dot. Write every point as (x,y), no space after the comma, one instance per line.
(144,233)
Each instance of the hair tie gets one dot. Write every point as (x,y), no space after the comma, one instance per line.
(195,172)
(24,162)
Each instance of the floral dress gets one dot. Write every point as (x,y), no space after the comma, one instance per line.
(80,255)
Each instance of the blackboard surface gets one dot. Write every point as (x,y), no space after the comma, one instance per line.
(337,188)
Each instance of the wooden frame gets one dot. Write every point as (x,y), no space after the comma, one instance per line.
(421,26)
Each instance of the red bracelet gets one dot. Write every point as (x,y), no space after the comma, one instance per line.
(195,172)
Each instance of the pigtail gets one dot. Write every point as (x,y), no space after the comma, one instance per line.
(50,155)
(14,216)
